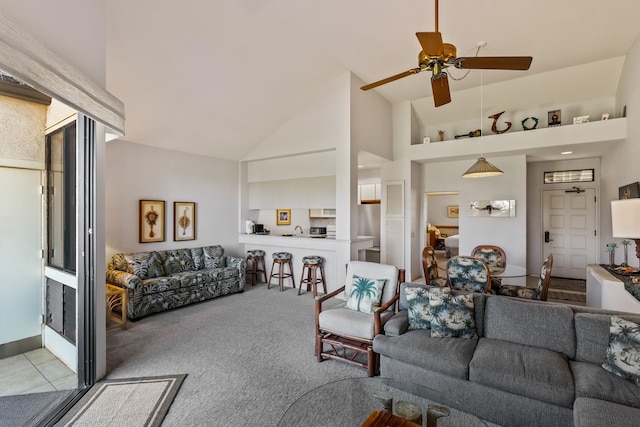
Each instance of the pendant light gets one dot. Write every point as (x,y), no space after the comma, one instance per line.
(481,168)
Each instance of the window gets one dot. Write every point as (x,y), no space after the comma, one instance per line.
(61,198)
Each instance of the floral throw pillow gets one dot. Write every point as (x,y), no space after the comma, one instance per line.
(418,301)
(452,315)
(365,294)
(623,353)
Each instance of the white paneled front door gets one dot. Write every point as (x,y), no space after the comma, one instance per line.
(569,221)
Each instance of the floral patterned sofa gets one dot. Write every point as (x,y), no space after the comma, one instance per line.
(162,280)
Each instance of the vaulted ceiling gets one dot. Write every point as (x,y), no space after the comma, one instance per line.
(217,77)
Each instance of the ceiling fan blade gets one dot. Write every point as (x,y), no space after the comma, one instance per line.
(440,88)
(431,43)
(494,62)
(390,79)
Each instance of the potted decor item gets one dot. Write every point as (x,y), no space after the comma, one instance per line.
(625,243)
(611,248)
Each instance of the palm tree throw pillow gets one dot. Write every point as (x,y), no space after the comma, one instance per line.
(452,315)
(623,353)
(418,302)
(365,294)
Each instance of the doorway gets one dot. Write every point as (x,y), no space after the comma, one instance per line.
(569,225)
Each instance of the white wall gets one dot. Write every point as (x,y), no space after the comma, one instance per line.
(437,209)
(303,193)
(371,121)
(621,164)
(136,172)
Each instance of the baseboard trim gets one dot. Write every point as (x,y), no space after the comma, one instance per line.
(21,346)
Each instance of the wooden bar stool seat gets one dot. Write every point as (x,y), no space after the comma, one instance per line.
(255,257)
(313,268)
(281,259)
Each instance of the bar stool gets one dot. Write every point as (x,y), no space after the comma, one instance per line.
(281,259)
(311,265)
(255,257)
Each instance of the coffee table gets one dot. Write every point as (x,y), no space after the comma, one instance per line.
(349,402)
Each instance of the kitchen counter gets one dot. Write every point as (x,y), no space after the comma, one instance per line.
(336,252)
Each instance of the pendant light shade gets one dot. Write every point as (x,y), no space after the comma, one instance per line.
(482,168)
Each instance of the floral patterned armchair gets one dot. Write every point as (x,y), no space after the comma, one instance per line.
(540,293)
(468,274)
(431,269)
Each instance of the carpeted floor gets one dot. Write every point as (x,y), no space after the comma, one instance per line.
(247,356)
(29,409)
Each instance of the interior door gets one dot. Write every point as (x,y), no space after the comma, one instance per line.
(569,225)
(20,255)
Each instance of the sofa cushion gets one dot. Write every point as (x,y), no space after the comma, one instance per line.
(197,255)
(592,335)
(213,256)
(160,284)
(623,353)
(177,261)
(589,412)
(533,323)
(451,315)
(365,294)
(532,372)
(448,356)
(593,381)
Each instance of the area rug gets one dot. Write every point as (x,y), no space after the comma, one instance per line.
(127,402)
(574,290)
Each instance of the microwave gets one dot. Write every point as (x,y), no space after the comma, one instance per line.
(318,231)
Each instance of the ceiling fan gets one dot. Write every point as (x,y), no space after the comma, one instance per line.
(436,56)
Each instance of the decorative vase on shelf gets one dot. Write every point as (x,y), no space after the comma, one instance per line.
(625,244)
(611,248)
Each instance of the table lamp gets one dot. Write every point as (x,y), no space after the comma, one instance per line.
(625,220)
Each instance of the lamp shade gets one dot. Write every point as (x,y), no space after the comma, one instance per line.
(481,168)
(625,218)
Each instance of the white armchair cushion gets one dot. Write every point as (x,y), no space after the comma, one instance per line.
(352,323)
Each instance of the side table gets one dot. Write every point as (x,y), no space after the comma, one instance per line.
(116,298)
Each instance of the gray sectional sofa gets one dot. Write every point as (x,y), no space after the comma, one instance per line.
(532,363)
(161,280)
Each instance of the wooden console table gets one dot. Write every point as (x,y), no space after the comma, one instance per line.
(604,290)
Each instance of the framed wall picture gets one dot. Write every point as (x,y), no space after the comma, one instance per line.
(629,191)
(184,221)
(283,216)
(554,118)
(453,211)
(152,221)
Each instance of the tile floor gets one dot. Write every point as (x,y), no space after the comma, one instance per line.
(34,372)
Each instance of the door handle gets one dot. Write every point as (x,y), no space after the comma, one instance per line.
(546,237)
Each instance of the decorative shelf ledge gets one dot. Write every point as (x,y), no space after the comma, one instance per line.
(593,134)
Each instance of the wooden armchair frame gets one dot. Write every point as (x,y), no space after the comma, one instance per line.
(339,344)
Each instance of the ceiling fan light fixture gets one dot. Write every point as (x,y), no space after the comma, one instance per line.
(482,168)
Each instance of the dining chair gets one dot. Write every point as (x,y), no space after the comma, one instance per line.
(539,293)
(431,269)
(468,273)
(496,259)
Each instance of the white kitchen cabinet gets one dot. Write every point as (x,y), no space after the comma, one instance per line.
(322,213)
